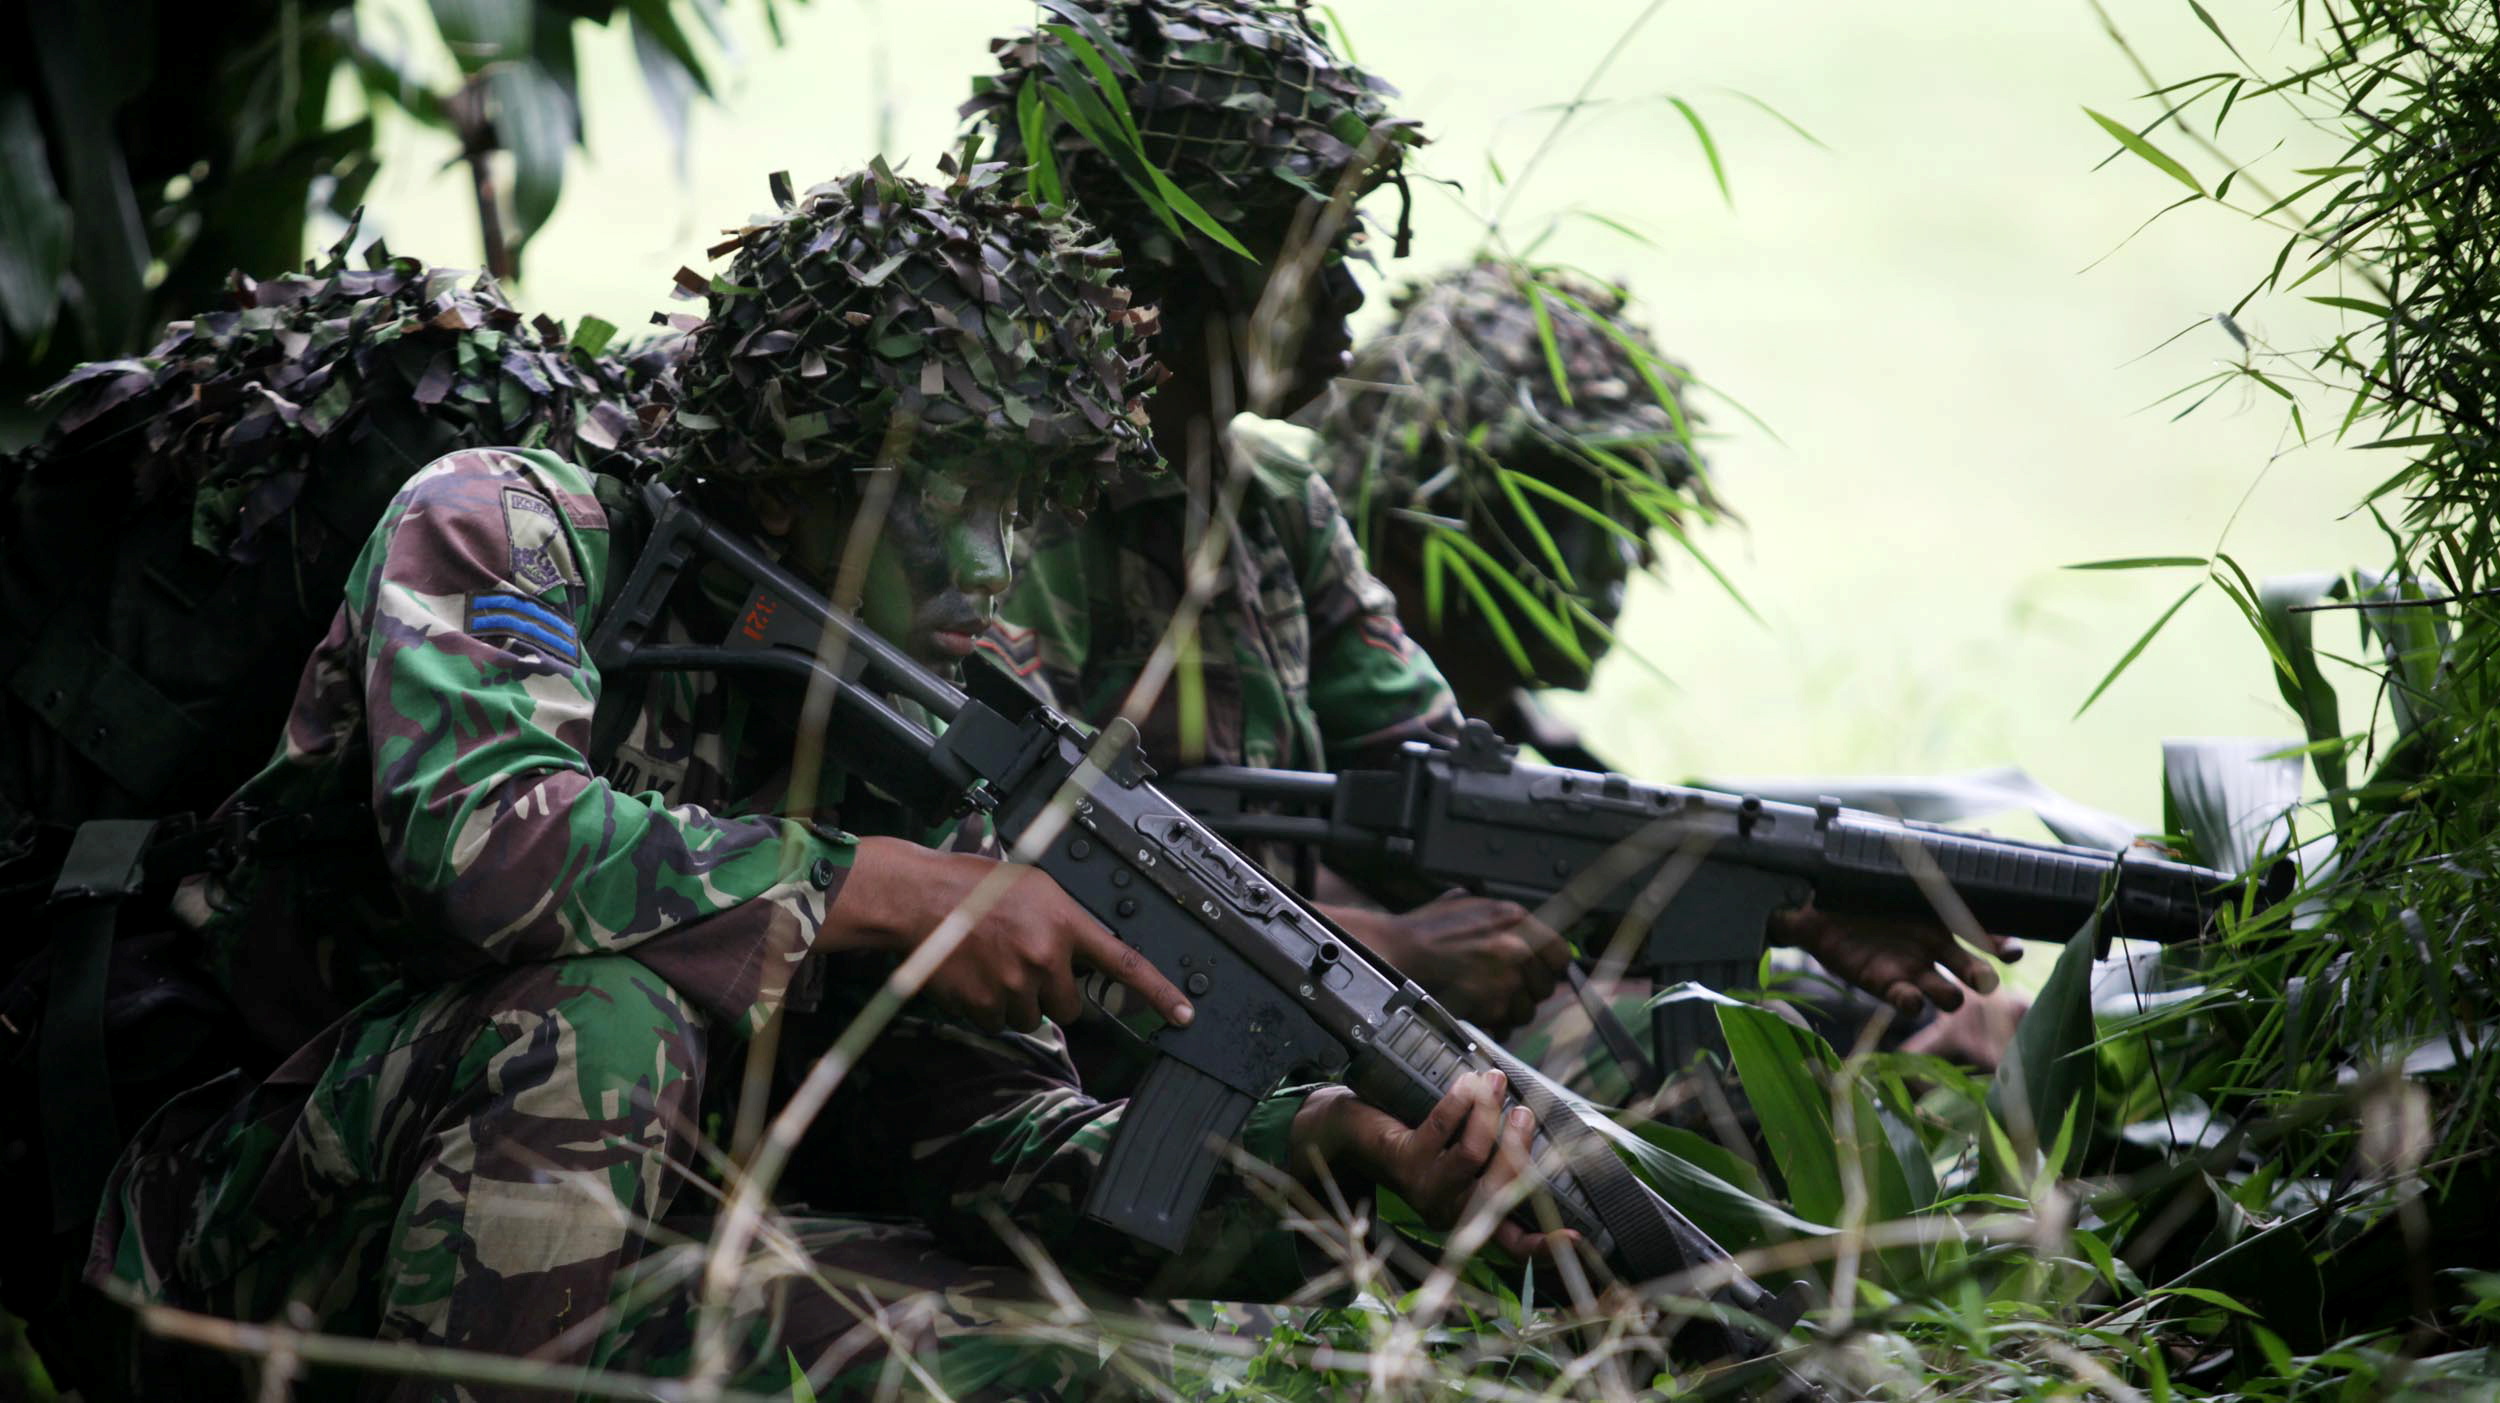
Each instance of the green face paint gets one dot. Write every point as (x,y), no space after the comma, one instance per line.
(940,559)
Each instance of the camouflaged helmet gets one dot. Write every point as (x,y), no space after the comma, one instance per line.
(1240,104)
(874,302)
(1464,380)
(308,374)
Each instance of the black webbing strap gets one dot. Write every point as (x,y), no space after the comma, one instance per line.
(1625,1049)
(107,863)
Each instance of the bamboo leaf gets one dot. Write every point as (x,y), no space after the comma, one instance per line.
(1555,629)
(1440,546)
(534,121)
(2141,562)
(2147,151)
(2137,649)
(1535,526)
(1545,338)
(1777,1065)
(1776,115)
(1709,148)
(2049,1075)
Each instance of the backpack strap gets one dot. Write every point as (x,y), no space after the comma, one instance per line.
(105,710)
(629,528)
(107,863)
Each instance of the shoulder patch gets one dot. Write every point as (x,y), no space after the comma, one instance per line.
(542,555)
(537,628)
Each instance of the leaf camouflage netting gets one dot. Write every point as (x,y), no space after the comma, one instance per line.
(876,303)
(241,407)
(1497,365)
(1144,110)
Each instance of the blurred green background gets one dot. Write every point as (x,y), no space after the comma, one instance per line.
(1959,406)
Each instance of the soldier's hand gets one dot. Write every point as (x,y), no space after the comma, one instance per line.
(1451,1165)
(1975,1035)
(1904,962)
(1490,962)
(1017,963)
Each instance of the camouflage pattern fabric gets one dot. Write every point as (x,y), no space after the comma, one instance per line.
(175,544)
(1242,104)
(452,694)
(1462,381)
(1300,661)
(872,305)
(490,1138)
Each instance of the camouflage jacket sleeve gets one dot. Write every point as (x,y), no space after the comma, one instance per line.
(471,604)
(1372,687)
(1015,1143)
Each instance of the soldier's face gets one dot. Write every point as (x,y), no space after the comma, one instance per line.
(938,558)
(942,560)
(1301,325)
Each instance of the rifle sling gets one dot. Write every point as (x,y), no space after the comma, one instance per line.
(106,864)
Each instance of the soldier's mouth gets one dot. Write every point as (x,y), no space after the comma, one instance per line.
(953,642)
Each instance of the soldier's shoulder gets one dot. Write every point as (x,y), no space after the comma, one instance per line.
(493,479)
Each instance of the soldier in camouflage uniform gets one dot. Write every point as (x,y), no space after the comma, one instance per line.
(561,941)
(1460,391)
(1498,371)
(1298,660)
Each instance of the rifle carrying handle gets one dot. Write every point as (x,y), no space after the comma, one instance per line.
(1164,1155)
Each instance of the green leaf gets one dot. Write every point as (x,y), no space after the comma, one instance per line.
(1556,630)
(2141,562)
(480,33)
(1545,337)
(2147,151)
(1041,170)
(593,335)
(2302,684)
(1535,526)
(1777,1065)
(534,121)
(801,1391)
(1778,116)
(2049,1077)
(1804,1080)
(2137,649)
(1709,148)
(1440,554)
(1190,210)
(2200,1293)
(2228,795)
(1106,82)
(2353,304)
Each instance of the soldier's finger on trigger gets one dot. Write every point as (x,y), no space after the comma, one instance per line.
(1106,952)
(1062,1000)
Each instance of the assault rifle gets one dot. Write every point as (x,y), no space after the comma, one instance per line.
(1277,988)
(1687,879)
